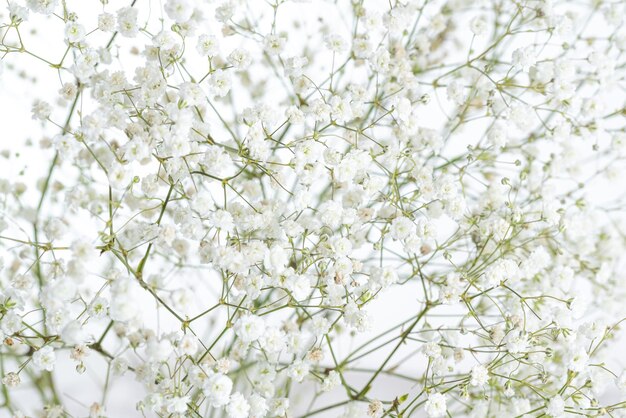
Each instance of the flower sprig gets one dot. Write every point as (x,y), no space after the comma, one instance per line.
(286,208)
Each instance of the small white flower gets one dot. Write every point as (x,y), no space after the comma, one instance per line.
(250,328)
(41,110)
(240,58)
(11,380)
(119,176)
(274,44)
(207,45)
(578,360)
(17,13)
(524,57)
(516,342)
(336,43)
(178,10)
(178,404)
(331,381)
(217,389)
(45,7)
(238,406)
(401,228)
(74,32)
(127,22)
(299,370)
(188,345)
(375,409)
(436,405)
(479,375)
(220,83)
(478,25)
(555,407)
(73,333)
(106,22)
(258,406)
(44,358)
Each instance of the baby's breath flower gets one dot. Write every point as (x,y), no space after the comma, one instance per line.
(555,407)
(11,380)
(240,205)
(436,405)
(44,358)
(74,32)
(41,110)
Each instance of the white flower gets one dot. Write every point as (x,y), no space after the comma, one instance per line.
(555,407)
(456,92)
(45,7)
(232,209)
(478,25)
(380,60)
(479,375)
(178,10)
(178,404)
(127,22)
(384,277)
(188,344)
(522,116)
(11,380)
(258,406)
(276,259)
(219,83)
(578,360)
(504,270)
(498,136)
(123,307)
(341,110)
(356,318)
(401,228)
(250,328)
(217,389)
(68,91)
(73,333)
(158,349)
(207,45)
(17,13)
(375,409)
(41,110)
(240,58)
(432,349)
(74,32)
(119,176)
(436,405)
(44,358)
(362,47)
(274,44)
(279,406)
(294,65)
(119,366)
(79,352)
(524,57)
(516,342)
(331,381)
(106,22)
(335,43)
(298,370)
(223,220)
(237,407)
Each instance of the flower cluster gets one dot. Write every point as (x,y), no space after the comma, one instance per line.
(288,208)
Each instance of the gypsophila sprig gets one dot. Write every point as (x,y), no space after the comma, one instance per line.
(281,208)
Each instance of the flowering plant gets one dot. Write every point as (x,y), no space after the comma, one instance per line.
(283,208)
